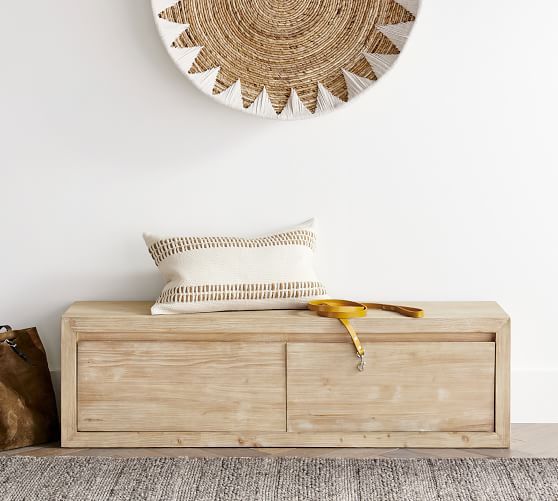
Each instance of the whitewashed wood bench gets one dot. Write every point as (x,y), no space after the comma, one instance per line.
(284,378)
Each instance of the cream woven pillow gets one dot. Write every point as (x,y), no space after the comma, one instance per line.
(231,273)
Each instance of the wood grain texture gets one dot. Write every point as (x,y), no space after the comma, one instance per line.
(404,387)
(194,386)
(139,373)
(502,383)
(527,440)
(262,337)
(423,439)
(68,397)
(134,316)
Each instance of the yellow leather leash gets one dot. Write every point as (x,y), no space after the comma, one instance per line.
(344,310)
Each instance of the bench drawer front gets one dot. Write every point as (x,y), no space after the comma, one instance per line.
(180,386)
(406,386)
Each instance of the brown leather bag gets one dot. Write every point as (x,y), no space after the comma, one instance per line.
(28,414)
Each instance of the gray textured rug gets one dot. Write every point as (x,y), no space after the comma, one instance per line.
(95,478)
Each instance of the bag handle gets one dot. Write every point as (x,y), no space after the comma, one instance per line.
(343,310)
(6,332)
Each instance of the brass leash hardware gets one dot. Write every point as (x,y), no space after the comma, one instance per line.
(344,310)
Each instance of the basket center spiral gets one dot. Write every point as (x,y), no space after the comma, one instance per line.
(285,44)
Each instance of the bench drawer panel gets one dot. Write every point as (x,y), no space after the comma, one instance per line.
(406,386)
(180,386)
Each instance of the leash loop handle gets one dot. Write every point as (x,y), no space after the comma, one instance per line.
(344,310)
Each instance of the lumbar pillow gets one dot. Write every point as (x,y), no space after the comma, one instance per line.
(232,273)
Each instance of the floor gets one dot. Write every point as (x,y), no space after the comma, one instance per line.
(528,440)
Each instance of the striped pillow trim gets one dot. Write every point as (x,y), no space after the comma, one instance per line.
(231,292)
(162,249)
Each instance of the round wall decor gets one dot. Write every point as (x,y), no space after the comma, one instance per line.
(284,59)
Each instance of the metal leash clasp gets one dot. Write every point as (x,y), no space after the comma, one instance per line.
(361,363)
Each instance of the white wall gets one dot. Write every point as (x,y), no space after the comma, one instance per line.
(439,183)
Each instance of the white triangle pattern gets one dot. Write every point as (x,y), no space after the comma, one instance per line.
(397,33)
(262,106)
(184,57)
(205,81)
(411,5)
(161,5)
(232,96)
(294,108)
(170,31)
(355,84)
(326,101)
(380,63)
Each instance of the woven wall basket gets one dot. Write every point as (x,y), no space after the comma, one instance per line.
(285,59)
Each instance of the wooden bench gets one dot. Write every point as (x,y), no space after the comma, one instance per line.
(284,378)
